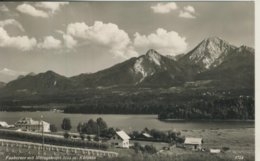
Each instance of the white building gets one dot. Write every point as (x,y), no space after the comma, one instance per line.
(28,124)
(120,139)
(193,143)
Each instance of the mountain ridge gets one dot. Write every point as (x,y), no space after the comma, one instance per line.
(210,57)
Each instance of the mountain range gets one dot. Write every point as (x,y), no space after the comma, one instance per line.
(213,59)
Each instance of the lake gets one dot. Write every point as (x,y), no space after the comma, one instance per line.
(125,122)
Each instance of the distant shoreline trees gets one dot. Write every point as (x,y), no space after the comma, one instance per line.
(242,108)
(221,109)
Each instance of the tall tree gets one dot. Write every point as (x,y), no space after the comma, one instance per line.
(101,123)
(66,125)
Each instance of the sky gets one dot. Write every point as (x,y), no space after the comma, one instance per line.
(84,37)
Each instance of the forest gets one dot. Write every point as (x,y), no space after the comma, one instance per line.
(166,103)
(224,108)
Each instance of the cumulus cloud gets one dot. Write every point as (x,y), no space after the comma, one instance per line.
(103,34)
(167,43)
(164,7)
(50,42)
(189,9)
(69,41)
(3,8)
(31,10)
(52,6)
(11,22)
(23,43)
(187,12)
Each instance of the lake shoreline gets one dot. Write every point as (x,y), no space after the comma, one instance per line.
(125,122)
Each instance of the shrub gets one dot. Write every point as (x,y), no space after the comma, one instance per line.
(66,135)
(96,138)
(89,138)
(146,149)
(150,149)
(225,149)
(53,128)
(82,136)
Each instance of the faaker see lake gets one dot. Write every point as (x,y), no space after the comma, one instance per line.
(125,122)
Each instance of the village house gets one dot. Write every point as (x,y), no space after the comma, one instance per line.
(28,124)
(193,143)
(120,140)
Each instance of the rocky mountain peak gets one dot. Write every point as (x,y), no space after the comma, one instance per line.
(210,50)
(151,52)
(212,44)
(213,39)
(153,56)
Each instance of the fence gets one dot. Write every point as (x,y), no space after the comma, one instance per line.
(13,146)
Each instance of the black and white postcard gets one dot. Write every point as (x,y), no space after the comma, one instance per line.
(127,81)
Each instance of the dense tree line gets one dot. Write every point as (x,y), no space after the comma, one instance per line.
(167,103)
(241,108)
(218,108)
(92,127)
(21,109)
(98,127)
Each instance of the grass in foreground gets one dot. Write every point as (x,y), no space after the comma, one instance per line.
(196,156)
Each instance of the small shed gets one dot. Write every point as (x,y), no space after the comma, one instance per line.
(193,143)
(214,151)
(120,139)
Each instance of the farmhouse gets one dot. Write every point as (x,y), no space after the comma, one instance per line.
(193,143)
(120,139)
(28,124)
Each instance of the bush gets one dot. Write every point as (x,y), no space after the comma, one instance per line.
(146,149)
(150,149)
(53,128)
(225,149)
(89,138)
(137,147)
(66,135)
(82,136)
(96,138)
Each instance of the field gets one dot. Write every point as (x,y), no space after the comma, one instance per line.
(240,144)
(238,140)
